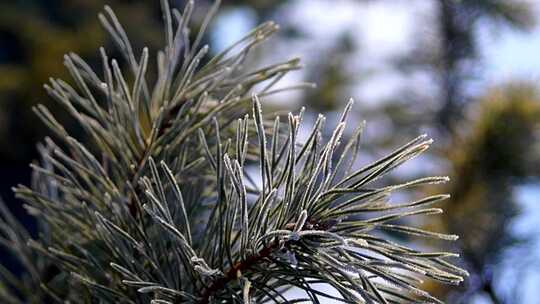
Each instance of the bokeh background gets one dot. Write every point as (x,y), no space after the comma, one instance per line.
(465,72)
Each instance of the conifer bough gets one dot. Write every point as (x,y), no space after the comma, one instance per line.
(182,195)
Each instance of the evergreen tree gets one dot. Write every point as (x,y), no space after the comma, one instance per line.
(500,153)
(184,192)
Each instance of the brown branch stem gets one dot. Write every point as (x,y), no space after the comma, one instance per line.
(166,123)
(232,273)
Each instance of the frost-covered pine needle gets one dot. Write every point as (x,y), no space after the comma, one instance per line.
(159,204)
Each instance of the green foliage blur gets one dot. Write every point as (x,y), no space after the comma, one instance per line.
(34,36)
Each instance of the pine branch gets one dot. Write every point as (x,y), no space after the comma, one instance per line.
(161,205)
(235,271)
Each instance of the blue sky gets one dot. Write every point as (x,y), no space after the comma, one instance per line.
(384,29)
(511,54)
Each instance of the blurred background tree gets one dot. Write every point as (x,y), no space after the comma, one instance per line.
(453,54)
(496,154)
(487,136)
